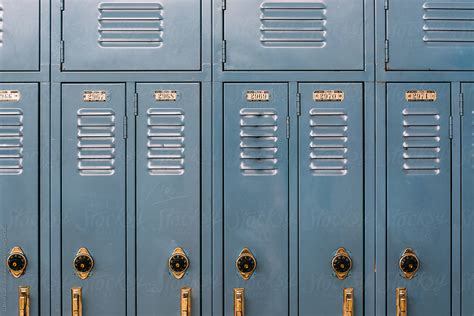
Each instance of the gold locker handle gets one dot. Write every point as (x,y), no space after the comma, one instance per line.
(348,304)
(76,296)
(185,301)
(239,302)
(402,302)
(23,301)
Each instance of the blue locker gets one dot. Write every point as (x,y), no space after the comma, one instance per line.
(331,199)
(93,197)
(294,35)
(467,174)
(430,35)
(19,35)
(19,198)
(256,255)
(168,198)
(120,35)
(418,199)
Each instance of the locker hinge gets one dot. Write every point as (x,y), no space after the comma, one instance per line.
(224,51)
(287,127)
(461,104)
(451,127)
(386,51)
(224,5)
(125,127)
(386,5)
(298,104)
(135,104)
(61,52)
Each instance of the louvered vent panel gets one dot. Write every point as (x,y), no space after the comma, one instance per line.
(166,141)
(449,22)
(96,142)
(328,142)
(11,141)
(421,142)
(293,24)
(258,142)
(1,25)
(130,24)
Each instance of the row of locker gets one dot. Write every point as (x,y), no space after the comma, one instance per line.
(142,215)
(276,35)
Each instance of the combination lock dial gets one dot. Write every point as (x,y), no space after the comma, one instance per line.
(341,264)
(409,263)
(178,263)
(17,262)
(246,264)
(83,263)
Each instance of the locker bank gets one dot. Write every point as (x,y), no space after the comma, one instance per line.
(236,157)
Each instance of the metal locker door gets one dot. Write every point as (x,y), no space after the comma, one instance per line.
(19,41)
(19,196)
(168,197)
(418,199)
(130,35)
(256,199)
(468,199)
(93,199)
(430,35)
(331,238)
(294,35)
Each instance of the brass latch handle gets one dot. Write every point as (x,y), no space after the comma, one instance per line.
(186,301)
(348,304)
(239,302)
(402,302)
(76,303)
(23,301)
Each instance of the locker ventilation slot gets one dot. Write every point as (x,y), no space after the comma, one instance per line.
(448,22)
(96,142)
(166,142)
(1,25)
(258,142)
(11,141)
(130,25)
(293,24)
(421,142)
(328,142)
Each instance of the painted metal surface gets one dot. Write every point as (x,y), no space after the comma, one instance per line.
(419,195)
(430,35)
(293,35)
(93,195)
(331,195)
(19,46)
(120,35)
(168,196)
(467,174)
(256,195)
(20,191)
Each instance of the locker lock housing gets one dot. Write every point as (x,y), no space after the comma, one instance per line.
(83,263)
(246,264)
(341,263)
(17,262)
(178,263)
(409,264)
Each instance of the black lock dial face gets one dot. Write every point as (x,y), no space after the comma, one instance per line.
(341,264)
(246,264)
(83,264)
(16,262)
(409,264)
(178,263)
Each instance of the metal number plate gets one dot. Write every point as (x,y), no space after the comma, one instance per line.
(94,96)
(258,96)
(166,95)
(421,96)
(328,96)
(10,95)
